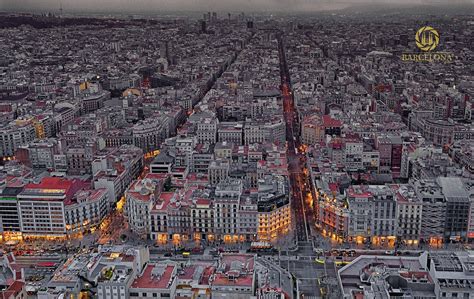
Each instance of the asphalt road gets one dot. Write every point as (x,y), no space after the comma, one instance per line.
(295,158)
(299,263)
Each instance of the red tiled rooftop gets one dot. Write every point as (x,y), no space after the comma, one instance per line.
(165,199)
(146,281)
(245,278)
(206,275)
(18,274)
(243,258)
(333,187)
(359,194)
(51,183)
(139,196)
(69,187)
(13,181)
(91,196)
(46,264)
(222,280)
(166,196)
(195,177)
(157,176)
(336,145)
(10,258)
(328,121)
(13,290)
(187,273)
(203,201)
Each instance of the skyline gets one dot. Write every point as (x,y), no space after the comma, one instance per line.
(140,6)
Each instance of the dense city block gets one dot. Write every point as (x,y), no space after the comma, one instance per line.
(238,155)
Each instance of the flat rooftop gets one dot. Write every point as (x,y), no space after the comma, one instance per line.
(155,276)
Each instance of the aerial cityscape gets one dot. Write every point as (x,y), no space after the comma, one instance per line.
(303,149)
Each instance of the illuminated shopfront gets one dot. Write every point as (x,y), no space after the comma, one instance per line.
(197,236)
(436,241)
(411,242)
(231,238)
(360,240)
(176,239)
(162,238)
(210,237)
(384,241)
(11,236)
(27,237)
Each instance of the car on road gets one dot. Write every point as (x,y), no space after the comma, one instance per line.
(320,261)
(341,263)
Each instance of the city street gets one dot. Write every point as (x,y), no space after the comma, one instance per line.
(295,159)
(304,270)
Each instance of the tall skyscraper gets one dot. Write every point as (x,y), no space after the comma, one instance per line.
(203,26)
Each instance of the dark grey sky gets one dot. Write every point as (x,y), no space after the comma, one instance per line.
(190,5)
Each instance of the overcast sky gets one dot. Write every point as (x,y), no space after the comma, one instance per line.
(189,5)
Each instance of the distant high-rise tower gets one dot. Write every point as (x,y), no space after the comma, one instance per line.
(165,50)
(249,24)
(203,26)
(214,16)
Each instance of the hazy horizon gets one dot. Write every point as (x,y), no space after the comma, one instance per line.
(132,6)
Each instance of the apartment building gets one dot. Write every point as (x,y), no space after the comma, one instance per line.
(56,207)
(141,197)
(372,214)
